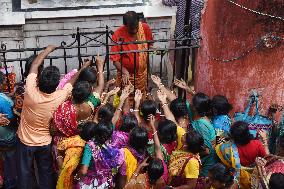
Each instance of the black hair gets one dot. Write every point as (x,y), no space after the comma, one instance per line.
(81,91)
(49,79)
(155,170)
(129,122)
(240,134)
(87,130)
(202,104)
(103,132)
(106,113)
(131,18)
(281,141)
(220,105)
(167,131)
(138,139)
(222,174)
(148,107)
(2,78)
(276,181)
(29,64)
(88,74)
(178,108)
(194,141)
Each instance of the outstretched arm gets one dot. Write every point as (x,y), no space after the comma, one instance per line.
(171,96)
(163,99)
(39,59)
(157,144)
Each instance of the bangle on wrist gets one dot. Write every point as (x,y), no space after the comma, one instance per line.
(154,133)
(135,174)
(59,157)
(101,72)
(165,104)
(120,109)
(161,85)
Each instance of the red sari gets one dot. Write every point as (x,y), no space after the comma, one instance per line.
(144,33)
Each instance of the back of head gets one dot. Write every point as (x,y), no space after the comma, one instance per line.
(202,104)
(129,122)
(49,79)
(220,105)
(221,174)
(167,131)
(178,108)
(276,181)
(81,91)
(87,130)
(138,139)
(103,132)
(106,112)
(194,142)
(130,19)
(239,132)
(88,74)
(148,107)
(29,64)
(155,170)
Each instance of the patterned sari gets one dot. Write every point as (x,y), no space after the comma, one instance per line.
(73,147)
(176,167)
(106,162)
(265,167)
(228,154)
(141,74)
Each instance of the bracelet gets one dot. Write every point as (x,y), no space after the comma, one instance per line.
(59,157)
(164,105)
(120,109)
(135,174)
(136,110)
(154,133)
(101,72)
(161,85)
(76,177)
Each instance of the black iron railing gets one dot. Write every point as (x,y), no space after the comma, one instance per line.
(107,43)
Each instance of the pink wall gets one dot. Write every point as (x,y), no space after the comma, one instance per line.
(227,31)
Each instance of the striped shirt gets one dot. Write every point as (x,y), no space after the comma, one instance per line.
(195,16)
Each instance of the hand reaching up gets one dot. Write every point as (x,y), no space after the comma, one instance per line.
(180,83)
(113,91)
(137,98)
(156,80)
(100,64)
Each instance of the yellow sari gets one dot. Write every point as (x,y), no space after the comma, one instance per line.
(73,147)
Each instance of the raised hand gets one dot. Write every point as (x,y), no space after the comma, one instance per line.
(111,82)
(125,78)
(100,63)
(113,91)
(151,119)
(125,94)
(180,83)
(156,80)
(137,97)
(87,63)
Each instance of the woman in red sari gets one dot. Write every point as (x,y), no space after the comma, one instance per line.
(131,31)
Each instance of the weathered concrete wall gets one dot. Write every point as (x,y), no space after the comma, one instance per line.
(227,31)
(42,32)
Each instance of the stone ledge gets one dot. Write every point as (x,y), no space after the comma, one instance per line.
(12,18)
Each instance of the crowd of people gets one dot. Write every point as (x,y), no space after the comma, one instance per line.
(83,132)
(71,133)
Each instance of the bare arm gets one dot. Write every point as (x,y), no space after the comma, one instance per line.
(157,144)
(39,59)
(101,81)
(137,99)
(171,96)
(124,95)
(168,114)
